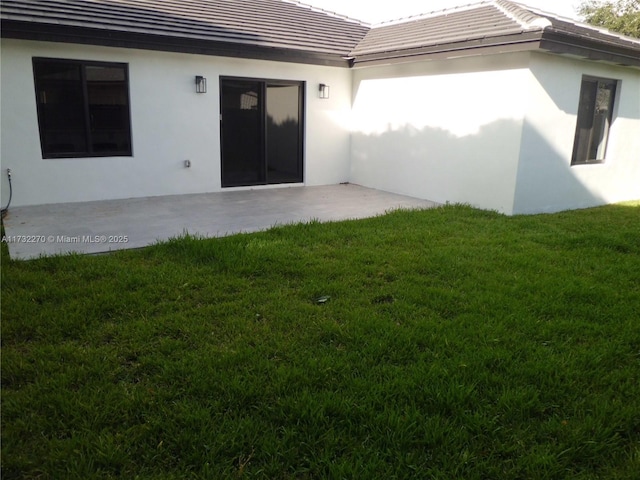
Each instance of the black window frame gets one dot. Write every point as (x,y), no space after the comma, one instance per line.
(584,142)
(90,151)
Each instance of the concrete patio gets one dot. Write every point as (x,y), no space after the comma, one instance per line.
(96,227)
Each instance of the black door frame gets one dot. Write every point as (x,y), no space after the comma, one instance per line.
(262,109)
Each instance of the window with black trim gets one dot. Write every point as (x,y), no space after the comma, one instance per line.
(595,113)
(83,108)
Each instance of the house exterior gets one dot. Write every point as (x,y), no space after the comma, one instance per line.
(493,104)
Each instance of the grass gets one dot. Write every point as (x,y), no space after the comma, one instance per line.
(456,343)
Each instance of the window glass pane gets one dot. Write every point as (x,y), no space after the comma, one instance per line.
(602,114)
(105,74)
(241,108)
(108,109)
(595,112)
(83,108)
(283,134)
(61,107)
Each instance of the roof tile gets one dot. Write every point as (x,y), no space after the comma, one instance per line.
(267,23)
(456,25)
(256,28)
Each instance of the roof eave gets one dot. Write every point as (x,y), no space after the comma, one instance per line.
(113,38)
(548,40)
(565,43)
(484,46)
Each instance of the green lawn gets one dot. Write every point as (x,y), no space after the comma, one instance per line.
(456,343)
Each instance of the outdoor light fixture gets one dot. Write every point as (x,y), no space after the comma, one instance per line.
(323,91)
(201,84)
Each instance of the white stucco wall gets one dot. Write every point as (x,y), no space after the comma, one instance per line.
(546,180)
(493,131)
(447,131)
(170,123)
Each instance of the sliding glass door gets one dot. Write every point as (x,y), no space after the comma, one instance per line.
(261,125)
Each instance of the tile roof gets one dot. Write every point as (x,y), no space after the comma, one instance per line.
(268,24)
(292,31)
(455,25)
(494,23)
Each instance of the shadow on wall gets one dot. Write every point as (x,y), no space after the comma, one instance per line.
(481,169)
(548,183)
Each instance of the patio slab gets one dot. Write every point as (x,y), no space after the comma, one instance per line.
(102,226)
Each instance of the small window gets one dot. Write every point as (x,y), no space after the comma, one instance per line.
(595,113)
(83,108)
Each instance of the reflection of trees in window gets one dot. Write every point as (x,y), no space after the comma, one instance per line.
(595,113)
(604,96)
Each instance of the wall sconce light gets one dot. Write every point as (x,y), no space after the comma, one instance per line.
(201,84)
(323,91)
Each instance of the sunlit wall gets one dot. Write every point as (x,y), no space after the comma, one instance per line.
(546,180)
(445,131)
